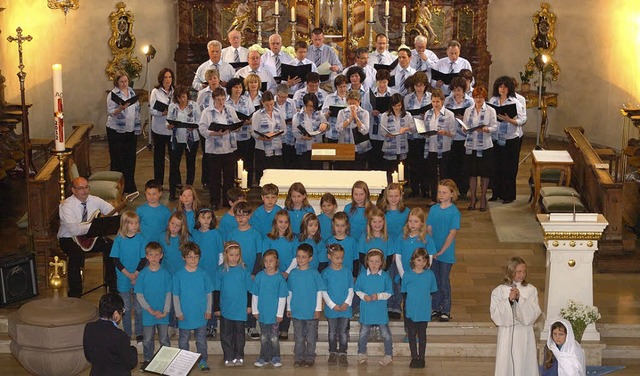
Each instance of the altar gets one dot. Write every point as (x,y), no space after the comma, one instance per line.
(319,182)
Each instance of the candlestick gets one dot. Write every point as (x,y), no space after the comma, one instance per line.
(371,23)
(58,116)
(400,171)
(277,8)
(403,38)
(62,156)
(259,41)
(404,14)
(240,168)
(394,177)
(277,17)
(293,32)
(244,179)
(386,24)
(293,14)
(386,9)
(259,14)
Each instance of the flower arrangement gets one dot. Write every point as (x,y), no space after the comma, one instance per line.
(580,316)
(132,69)
(289,50)
(526,76)
(259,48)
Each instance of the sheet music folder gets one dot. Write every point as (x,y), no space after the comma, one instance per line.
(293,71)
(160,106)
(122,102)
(444,77)
(104,226)
(180,124)
(510,109)
(171,361)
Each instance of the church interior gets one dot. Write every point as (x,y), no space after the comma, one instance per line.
(592,110)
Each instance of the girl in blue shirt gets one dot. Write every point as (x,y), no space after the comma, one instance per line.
(297,205)
(417,286)
(359,208)
(175,237)
(375,237)
(340,231)
(188,203)
(310,234)
(395,211)
(328,205)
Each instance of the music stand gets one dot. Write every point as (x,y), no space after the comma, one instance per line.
(103,226)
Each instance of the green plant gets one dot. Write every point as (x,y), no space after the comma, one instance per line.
(579,316)
(525,76)
(132,69)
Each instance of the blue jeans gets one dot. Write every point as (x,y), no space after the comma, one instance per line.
(338,335)
(365,331)
(441,299)
(395,302)
(129,297)
(201,340)
(269,344)
(148,346)
(305,333)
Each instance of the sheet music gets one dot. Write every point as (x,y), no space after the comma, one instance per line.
(323,152)
(324,68)
(420,125)
(171,361)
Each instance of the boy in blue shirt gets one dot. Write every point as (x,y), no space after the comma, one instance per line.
(153,215)
(304,304)
(228,222)
(250,242)
(192,300)
(262,218)
(338,297)
(153,291)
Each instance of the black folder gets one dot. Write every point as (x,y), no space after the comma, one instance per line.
(380,103)
(160,107)
(238,65)
(389,67)
(467,128)
(509,109)
(180,124)
(293,71)
(217,127)
(302,130)
(458,111)
(421,128)
(333,110)
(421,110)
(104,226)
(242,116)
(121,102)
(444,77)
(324,77)
(276,134)
(358,137)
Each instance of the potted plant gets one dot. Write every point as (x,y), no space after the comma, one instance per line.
(131,68)
(525,77)
(579,316)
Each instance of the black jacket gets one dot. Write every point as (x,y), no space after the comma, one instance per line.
(108,349)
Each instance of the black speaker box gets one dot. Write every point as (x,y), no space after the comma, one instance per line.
(18,279)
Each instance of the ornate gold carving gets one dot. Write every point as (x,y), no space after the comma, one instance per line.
(571,263)
(122,42)
(200,21)
(589,244)
(544,42)
(572,243)
(242,15)
(555,243)
(356,11)
(424,18)
(559,235)
(465,23)
(439,24)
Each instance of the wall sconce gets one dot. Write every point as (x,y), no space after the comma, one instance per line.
(64,5)
(149,52)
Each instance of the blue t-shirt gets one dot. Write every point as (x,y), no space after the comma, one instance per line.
(364,246)
(338,283)
(442,221)
(286,250)
(319,252)
(129,251)
(350,249)
(269,289)
(295,218)
(227,224)
(154,286)
(233,283)
(250,242)
(419,288)
(357,221)
(263,221)
(304,286)
(192,289)
(406,247)
(153,221)
(210,243)
(172,258)
(375,311)
(396,221)
(325,226)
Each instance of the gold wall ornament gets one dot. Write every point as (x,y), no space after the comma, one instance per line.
(122,43)
(242,12)
(543,42)
(64,5)
(559,235)
(55,280)
(571,263)
(465,23)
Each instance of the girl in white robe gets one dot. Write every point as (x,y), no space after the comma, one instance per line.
(563,355)
(514,309)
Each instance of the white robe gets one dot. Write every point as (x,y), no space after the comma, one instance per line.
(516,342)
(571,357)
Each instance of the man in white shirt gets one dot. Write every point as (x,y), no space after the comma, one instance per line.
(422,59)
(75,212)
(453,63)
(214,48)
(235,53)
(272,59)
(403,71)
(320,53)
(254,67)
(362,57)
(381,55)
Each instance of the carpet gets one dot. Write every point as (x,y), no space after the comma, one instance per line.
(515,222)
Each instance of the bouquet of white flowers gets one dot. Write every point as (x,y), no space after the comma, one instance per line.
(579,316)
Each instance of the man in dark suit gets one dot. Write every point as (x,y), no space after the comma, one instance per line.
(106,347)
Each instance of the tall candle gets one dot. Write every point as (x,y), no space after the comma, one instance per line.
(240,167)
(394,176)
(277,10)
(401,171)
(370,14)
(259,14)
(404,18)
(293,14)
(386,8)
(244,179)
(58,116)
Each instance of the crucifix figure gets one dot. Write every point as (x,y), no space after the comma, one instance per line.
(62,264)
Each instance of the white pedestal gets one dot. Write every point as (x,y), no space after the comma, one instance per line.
(570,247)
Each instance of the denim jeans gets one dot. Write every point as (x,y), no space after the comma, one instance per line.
(232,338)
(201,340)
(136,312)
(441,299)
(365,331)
(269,344)
(305,333)
(338,335)
(395,302)
(148,346)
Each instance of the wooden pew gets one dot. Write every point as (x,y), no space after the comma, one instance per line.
(601,194)
(44,197)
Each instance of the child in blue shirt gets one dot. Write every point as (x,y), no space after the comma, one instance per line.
(417,286)
(192,300)
(188,203)
(153,292)
(267,305)
(209,240)
(128,256)
(228,222)
(232,303)
(304,304)
(340,231)
(394,209)
(328,205)
(375,236)
(298,205)
(310,234)
(262,217)
(338,297)
(374,288)
(172,241)
(153,215)
(359,208)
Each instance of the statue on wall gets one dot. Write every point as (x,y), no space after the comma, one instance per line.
(242,17)
(122,43)
(424,19)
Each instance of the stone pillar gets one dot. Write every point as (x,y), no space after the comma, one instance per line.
(570,241)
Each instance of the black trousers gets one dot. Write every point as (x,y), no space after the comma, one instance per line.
(417,333)
(436,169)
(415,164)
(263,162)
(232,338)
(75,263)
(506,162)
(245,152)
(459,173)
(122,151)
(222,168)
(288,156)
(160,149)
(174,165)
(204,176)
(375,155)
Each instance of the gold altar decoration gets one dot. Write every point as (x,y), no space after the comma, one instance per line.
(465,24)
(55,280)
(64,5)
(543,42)
(122,43)
(241,17)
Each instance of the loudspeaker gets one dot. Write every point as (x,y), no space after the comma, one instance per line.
(17,278)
